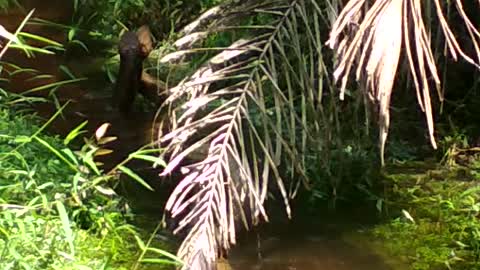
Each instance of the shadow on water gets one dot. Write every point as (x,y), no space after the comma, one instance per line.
(334,242)
(328,240)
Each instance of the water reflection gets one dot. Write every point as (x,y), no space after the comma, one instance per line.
(308,245)
(306,253)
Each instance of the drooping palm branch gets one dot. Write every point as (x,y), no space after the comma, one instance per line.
(369,37)
(259,104)
(240,117)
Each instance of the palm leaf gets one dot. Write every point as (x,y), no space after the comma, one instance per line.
(234,122)
(264,102)
(370,38)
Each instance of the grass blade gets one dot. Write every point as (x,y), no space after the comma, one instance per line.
(66,226)
(135,176)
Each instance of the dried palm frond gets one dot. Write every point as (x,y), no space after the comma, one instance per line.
(239,118)
(371,37)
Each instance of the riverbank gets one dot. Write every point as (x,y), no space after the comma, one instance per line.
(435,211)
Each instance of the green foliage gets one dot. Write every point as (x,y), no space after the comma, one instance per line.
(109,18)
(453,145)
(438,227)
(58,210)
(348,169)
(6,4)
(53,215)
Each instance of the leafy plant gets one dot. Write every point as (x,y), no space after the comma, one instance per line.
(441,228)
(58,208)
(109,18)
(57,205)
(43,201)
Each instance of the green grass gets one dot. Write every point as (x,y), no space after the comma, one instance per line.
(57,208)
(437,209)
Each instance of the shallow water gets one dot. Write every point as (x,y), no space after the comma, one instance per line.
(305,252)
(336,240)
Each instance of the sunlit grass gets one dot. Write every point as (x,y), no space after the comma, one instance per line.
(42,208)
(57,208)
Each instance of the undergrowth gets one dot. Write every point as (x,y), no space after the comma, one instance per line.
(57,208)
(437,209)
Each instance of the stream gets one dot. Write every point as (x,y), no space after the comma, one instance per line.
(329,243)
(333,242)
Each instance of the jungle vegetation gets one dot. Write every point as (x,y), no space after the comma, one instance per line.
(313,101)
